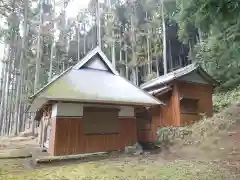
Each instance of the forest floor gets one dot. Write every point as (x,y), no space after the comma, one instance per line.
(211,151)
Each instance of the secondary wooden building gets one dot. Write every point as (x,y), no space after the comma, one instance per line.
(89,108)
(187,95)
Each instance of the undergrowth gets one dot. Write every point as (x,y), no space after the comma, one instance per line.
(224,99)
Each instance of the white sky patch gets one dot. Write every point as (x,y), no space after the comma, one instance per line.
(75,6)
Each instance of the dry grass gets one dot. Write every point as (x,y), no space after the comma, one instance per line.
(120,169)
(215,138)
(220,124)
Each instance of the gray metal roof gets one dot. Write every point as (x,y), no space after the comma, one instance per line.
(177,74)
(83,83)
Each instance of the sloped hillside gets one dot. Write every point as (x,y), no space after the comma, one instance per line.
(224,121)
(216,139)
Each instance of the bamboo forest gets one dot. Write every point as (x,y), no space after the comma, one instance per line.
(144,39)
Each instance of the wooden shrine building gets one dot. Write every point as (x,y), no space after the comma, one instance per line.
(187,95)
(88,108)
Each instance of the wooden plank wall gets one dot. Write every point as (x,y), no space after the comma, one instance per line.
(168,115)
(70,139)
(203,92)
(171,111)
(171,115)
(148,134)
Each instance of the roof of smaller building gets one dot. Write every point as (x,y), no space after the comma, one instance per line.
(162,80)
(160,90)
(93,80)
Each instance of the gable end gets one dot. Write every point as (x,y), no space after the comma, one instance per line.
(194,77)
(96,63)
(101,61)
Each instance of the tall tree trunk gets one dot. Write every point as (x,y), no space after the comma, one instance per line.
(120,56)
(84,42)
(52,46)
(51,62)
(39,51)
(98,18)
(78,42)
(8,97)
(133,44)
(14,83)
(20,75)
(13,123)
(8,81)
(148,54)
(39,58)
(126,62)
(199,35)
(3,92)
(157,64)
(113,51)
(164,40)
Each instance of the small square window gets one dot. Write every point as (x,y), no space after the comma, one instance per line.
(100,120)
(188,105)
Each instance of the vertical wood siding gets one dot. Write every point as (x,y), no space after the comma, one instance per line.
(171,111)
(70,138)
(200,91)
(148,134)
(187,119)
(170,115)
(203,92)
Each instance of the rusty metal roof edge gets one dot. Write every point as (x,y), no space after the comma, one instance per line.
(92,53)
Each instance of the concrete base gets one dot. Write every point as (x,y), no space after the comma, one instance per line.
(49,159)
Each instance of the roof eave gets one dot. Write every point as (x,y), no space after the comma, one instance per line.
(194,67)
(32,97)
(208,77)
(105,101)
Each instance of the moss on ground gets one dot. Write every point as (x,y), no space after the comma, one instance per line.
(177,170)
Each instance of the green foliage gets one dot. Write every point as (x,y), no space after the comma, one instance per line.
(218,51)
(224,99)
(166,136)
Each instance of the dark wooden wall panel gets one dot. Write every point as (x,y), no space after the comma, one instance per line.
(149,133)
(203,92)
(187,119)
(128,132)
(146,135)
(70,138)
